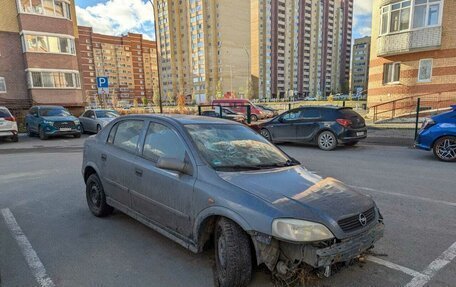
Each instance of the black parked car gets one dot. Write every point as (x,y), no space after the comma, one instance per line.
(325,126)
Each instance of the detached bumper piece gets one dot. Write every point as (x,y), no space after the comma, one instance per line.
(342,251)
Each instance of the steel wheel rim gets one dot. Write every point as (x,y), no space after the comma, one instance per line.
(447,149)
(326,140)
(95,196)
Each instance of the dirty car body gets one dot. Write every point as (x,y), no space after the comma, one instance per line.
(222,169)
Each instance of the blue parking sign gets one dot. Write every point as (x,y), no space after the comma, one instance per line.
(102,82)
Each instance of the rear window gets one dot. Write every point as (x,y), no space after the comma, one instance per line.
(4,113)
(348,113)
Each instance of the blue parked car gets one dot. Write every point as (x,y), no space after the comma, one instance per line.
(438,133)
(46,121)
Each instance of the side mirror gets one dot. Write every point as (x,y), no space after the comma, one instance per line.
(174,164)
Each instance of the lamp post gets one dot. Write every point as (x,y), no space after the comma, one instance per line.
(158,58)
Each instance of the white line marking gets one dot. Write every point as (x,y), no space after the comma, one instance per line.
(394,266)
(30,255)
(445,258)
(406,195)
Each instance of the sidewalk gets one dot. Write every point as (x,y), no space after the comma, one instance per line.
(390,135)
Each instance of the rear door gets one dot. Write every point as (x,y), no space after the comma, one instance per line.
(118,157)
(164,196)
(285,127)
(308,124)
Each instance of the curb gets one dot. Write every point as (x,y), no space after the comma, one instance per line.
(389,141)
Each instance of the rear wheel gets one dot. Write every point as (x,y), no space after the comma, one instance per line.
(254,118)
(29,131)
(82,129)
(96,198)
(233,260)
(327,140)
(15,138)
(445,149)
(266,134)
(351,143)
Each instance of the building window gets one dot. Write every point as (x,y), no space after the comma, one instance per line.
(55,8)
(410,14)
(49,44)
(425,70)
(2,85)
(391,73)
(54,79)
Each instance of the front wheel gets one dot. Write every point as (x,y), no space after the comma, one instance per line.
(327,140)
(96,198)
(98,128)
(233,260)
(445,149)
(42,134)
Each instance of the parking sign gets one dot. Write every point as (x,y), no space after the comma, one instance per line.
(102,82)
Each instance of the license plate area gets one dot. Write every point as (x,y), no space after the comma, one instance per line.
(65,129)
(360,134)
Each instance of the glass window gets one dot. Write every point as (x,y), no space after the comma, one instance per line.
(59,9)
(26,6)
(42,45)
(54,112)
(310,113)
(419,16)
(53,44)
(2,85)
(391,73)
(48,6)
(433,17)
(55,80)
(112,134)
(64,46)
(36,7)
(425,70)
(292,115)
(127,135)
(162,141)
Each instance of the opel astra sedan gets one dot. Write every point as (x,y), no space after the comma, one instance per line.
(195,179)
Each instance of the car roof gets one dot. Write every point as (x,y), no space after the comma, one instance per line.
(183,119)
(329,107)
(47,106)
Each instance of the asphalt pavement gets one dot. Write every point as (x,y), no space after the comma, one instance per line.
(42,191)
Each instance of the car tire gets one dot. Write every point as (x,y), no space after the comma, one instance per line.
(42,134)
(353,143)
(96,198)
(266,134)
(15,138)
(98,128)
(327,140)
(76,136)
(233,259)
(29,131)
(82,129)
(445,149)
(254,118)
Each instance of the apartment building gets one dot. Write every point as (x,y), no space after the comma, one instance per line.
(413,52)
(300,47)
(129,62)
(360,65)
(204,47)
(38,63)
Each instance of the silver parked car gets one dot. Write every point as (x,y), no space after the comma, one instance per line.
(194,179)
(94,120)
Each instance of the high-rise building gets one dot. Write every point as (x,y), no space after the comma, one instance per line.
(300,47)
(413,54)
(360,65)
(38,62)
(204,47)
(129,62)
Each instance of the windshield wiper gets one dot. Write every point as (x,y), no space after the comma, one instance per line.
(279,164)
(238,167)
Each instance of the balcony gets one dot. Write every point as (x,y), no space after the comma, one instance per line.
(409,41)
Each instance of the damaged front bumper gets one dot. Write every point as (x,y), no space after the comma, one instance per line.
(315,255)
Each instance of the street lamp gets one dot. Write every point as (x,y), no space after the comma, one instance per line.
(158,58)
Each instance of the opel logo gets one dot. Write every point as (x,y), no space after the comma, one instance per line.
(362,219)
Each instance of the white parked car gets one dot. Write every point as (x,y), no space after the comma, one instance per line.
(8,125)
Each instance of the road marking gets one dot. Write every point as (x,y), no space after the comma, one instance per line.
(445,258)
(30,255)
(406,195)
(394,266)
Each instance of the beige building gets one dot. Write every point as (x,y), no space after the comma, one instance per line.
(360,65)
(300,47)
(204,47)
(413,53)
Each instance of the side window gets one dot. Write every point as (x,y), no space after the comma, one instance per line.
(310,114)
(127,135)
(90,114)
(112,134)
(162,141)
(291,115)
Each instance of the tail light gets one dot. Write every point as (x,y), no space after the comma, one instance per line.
(10,119)
(344,122)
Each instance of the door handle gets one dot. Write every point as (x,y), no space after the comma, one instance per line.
(138,172)
(103,157)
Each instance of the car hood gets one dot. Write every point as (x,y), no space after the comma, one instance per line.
(298,193)
(60,119)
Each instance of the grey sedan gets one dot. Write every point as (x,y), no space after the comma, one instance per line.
(195,179)
(94,120)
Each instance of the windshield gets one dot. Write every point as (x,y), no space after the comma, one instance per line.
(235,147)
(54,112)
(107,114)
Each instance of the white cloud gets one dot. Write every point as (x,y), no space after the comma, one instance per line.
(362,7)
(116,17)
(362,14)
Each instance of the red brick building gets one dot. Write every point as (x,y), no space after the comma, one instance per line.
(128,61)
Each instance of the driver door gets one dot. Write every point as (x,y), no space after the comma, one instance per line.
(285,129)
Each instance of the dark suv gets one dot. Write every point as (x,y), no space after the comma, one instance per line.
(325,126)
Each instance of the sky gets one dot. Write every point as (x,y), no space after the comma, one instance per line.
(116,17)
